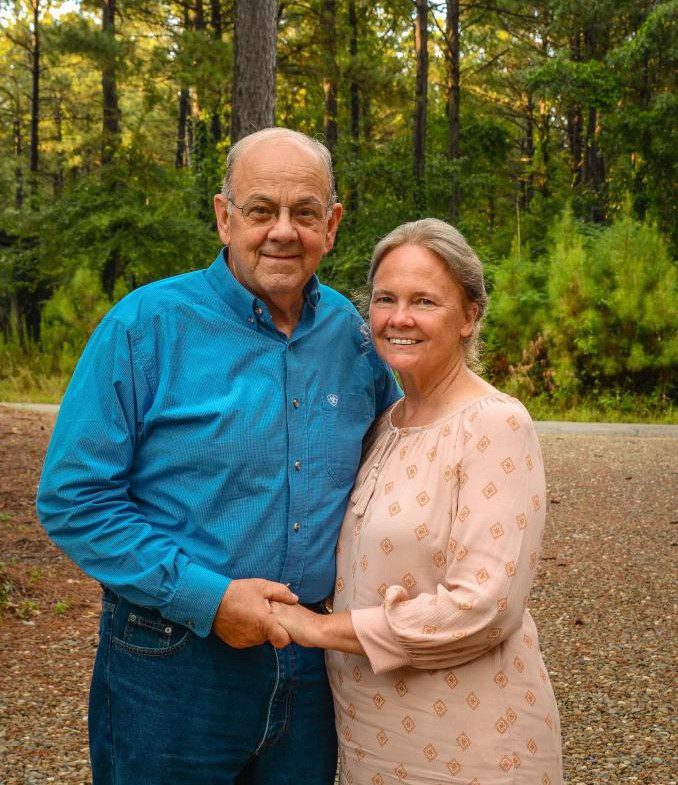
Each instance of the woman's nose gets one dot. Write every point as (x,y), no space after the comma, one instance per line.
(401,316)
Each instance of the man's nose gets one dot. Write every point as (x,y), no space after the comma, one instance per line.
(283,230)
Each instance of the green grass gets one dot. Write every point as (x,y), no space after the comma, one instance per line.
(30,387)
(625,409)
(37,388)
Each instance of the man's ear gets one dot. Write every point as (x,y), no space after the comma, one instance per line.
(223,218)
(333,225)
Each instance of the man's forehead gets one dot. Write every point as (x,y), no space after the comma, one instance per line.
(280,163)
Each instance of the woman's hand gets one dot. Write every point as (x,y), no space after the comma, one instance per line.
(302,625)
(332,631)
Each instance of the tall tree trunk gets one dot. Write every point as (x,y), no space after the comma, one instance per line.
(527,183)
(421,102)
(354,93)
(181,156)
(111,115)
(328,25)
(575,123)
(366,114)
(217,32)
(199,15)
(180,159)
(58,179)
(33,160)
(593,172)
(255,41)
(18,169)
(453,102)
(543,130)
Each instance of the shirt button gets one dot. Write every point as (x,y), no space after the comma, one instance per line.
(295,403)
(258,311)
(296,526)
(250,319)
(297,465)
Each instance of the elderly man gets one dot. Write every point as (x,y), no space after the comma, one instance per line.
(199,468)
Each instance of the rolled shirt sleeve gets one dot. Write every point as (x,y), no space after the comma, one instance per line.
(86,504)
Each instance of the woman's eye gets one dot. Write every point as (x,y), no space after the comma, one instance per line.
(425,301)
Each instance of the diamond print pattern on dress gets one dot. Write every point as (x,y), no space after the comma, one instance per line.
(466,531)
(401,688)
(501,679)
(463,741)
(506,763)
(454,766)
(439,559)
(408,723)
(489,490)
(473,700)
(430,752)
(421,531)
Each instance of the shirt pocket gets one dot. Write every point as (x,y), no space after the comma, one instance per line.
(346,418)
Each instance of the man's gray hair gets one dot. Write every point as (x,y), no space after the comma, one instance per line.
(450,246)
(274,134)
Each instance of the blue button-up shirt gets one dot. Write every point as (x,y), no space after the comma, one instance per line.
(196,443)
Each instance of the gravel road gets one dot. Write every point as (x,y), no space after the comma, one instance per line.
(603,604)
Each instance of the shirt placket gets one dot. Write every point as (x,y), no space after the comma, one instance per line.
(297,470)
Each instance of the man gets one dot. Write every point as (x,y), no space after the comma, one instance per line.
(199,468)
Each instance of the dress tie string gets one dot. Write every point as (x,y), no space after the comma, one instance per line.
(362,494)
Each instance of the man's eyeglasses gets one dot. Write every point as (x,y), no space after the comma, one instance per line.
(261,212)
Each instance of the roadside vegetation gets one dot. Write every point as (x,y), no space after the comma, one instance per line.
(545,131)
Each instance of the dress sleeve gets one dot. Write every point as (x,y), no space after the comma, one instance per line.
(84,500)
(492,555)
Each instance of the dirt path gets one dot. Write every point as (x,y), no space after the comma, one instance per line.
(602,604)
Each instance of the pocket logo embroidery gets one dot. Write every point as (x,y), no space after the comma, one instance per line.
(333,399)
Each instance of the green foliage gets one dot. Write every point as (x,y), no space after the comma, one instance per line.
(140,214)
(595,316)
(561,103)
(71,315)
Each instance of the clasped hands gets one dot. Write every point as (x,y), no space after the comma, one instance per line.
(253,611)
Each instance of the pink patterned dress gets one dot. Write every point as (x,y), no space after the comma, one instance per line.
(436,558)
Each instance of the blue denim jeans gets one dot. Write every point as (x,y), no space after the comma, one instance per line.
(170,708)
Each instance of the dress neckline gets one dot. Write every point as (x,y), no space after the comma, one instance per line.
(452,413)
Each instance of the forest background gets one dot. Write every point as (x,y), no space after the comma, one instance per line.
(546,131)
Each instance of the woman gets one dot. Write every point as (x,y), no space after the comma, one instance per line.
(433,655)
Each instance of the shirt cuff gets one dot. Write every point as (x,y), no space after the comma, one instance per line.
(196,599)
(376,637)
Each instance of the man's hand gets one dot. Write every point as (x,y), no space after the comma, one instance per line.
(244,617)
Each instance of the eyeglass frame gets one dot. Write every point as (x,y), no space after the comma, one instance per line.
(328,206)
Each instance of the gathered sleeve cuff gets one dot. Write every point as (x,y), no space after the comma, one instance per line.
(377,638)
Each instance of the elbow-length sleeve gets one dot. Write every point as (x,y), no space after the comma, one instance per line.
(495,524)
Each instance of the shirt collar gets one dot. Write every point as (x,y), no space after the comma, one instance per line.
(241,300)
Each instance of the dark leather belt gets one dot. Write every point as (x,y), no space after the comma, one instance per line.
(317,607)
